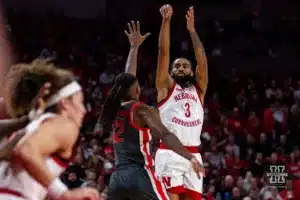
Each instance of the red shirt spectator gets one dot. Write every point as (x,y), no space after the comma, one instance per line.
(268,120)
(235,123)
(253,125)
(293,194)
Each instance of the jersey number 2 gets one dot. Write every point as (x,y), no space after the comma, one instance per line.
(118,130)
(187,108)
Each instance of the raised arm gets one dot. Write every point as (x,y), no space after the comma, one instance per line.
(163,79)
(135,39)
(201,70)
(150,117)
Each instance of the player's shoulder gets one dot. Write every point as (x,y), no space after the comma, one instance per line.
(142,108)
(60,121)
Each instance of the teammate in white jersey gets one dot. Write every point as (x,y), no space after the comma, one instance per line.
(41,156)
(180,101)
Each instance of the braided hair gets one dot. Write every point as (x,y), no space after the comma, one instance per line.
(116,95)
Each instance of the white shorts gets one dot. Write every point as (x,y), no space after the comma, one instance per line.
(177,173)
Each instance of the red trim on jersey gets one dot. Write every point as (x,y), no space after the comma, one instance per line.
(145,149)
(199,95)
(134,106)
(159,187)
(176,190)
(193,195)
(162,102)
(60,161)
(192,149)
(8,191)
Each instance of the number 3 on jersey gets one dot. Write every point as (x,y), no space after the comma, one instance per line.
(187,109)
(118,130)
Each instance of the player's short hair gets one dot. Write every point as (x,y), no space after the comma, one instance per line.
(24,81)
(118,93)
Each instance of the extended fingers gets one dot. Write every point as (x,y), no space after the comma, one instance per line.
(129,28)
(133,27)
(146,35)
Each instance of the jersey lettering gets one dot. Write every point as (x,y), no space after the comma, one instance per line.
(166,181)
(118,130)
(183,96)
(186,123)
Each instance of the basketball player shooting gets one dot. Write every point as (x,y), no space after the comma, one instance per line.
(180,97)
(134,177)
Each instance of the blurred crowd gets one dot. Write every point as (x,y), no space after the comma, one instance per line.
(252,109)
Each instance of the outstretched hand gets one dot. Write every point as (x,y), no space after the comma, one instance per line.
(190,19)
(134,35)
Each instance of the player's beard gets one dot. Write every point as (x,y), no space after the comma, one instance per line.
(184,81)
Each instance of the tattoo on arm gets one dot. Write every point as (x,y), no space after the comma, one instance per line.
(131,63)
(201,71)
(151,118)
(162,73)
(197,44)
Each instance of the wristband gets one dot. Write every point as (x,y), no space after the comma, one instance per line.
(56,189)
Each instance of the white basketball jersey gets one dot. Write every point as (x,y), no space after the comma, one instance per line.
(182,113)
(15,178)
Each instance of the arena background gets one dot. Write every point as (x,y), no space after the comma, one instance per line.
(253,102)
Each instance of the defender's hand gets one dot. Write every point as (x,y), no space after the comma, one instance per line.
(197,166)
(166,11)
(134,35)
(190,19)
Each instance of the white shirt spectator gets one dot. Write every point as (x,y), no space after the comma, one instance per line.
(278,116)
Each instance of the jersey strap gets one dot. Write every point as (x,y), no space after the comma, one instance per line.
(136,126)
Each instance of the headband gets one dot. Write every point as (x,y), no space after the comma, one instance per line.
(64,92)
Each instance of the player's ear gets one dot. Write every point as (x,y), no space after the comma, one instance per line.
(65,103)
